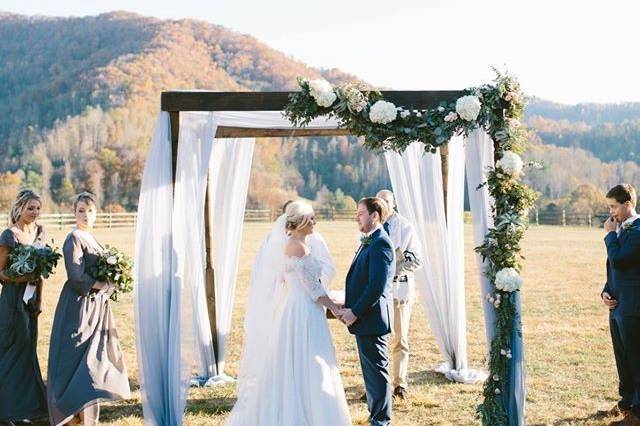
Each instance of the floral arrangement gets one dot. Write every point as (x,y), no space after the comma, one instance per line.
(36,260)
(116,268)
(498,109)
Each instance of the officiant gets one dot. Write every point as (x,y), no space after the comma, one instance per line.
(408,259)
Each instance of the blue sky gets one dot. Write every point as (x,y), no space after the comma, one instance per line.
(563,51)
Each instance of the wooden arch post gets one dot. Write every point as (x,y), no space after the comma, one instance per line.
(175,102)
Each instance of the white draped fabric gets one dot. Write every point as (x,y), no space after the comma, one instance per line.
(416,177)
(479,150)
(228,175)
(153,276)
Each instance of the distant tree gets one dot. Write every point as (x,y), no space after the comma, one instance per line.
(9,186)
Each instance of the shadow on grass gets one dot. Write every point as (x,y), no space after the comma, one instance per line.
(210,406)
(428,377)
(603,420)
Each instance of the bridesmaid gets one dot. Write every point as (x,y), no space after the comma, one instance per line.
(22,391)
(86,364)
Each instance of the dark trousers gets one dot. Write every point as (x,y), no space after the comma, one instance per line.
(374,360)
(625,335)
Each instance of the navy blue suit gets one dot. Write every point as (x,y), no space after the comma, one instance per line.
(623,284)
(368,295)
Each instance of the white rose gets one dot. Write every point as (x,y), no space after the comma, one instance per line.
(322,92)
(383,112)
(452,116)
(440,109)
(111,260)
(468,107)
(508,279)
(510,163)
(404,113)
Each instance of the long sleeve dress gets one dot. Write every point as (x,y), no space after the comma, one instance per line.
(86,363)
(299,383)
(22,391)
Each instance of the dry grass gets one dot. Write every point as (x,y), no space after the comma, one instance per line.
(570,364)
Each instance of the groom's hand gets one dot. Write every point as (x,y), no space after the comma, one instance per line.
(348,317)
(610,302)
(610,224)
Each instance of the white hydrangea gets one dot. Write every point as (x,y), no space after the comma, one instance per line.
(468,107)
(510,163)
(383,112)
(322,92)
(508,279)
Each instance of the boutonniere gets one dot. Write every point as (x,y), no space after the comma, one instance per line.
(365,240)
(627,225)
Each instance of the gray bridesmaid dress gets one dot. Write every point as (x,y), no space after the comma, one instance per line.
(86,364)
(22,391)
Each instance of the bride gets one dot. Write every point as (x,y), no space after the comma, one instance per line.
(288,372)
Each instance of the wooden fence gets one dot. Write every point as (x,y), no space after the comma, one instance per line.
(128,220)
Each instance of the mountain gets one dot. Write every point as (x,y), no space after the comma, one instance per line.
(79,97)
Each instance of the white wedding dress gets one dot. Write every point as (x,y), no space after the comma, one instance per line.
(298,381)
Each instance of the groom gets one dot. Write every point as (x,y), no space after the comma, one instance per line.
(368,304)
(621,294)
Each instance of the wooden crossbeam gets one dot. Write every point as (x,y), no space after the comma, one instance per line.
(243,132)
(276,101)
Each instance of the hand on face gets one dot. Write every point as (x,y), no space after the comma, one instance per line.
(610,224)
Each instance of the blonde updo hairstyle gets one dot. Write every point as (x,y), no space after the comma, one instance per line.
(298,215)
(21,201)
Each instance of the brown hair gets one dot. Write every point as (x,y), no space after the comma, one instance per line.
(84,197)
(375,204)
(623,193)
(22,199)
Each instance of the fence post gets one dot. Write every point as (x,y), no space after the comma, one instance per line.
(589,220)
(110,220)
(60,220)
(537,218)
(564,217)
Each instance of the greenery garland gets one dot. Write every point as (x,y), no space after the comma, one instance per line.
(498,109)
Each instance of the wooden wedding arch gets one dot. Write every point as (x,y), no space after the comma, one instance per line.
(175,102)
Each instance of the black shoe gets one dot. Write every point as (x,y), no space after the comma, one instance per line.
(400,392)
(363,397)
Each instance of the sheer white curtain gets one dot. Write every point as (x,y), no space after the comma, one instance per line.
(479,150)
(416,178)
(196,141)
(228,184)
(170,265)
(153,273)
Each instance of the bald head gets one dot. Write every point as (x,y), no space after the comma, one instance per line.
(388,197)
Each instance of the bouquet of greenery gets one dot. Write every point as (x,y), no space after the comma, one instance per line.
(38,260)
(114,267)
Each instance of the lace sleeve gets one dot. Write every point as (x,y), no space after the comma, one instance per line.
(309,275)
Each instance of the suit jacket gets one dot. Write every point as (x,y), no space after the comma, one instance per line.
(623,269)
(368,286)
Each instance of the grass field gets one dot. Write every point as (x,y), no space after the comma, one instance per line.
(569,359)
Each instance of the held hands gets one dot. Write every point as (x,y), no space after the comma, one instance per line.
(610,224)
(347,317)
(343,314)
(610,302)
